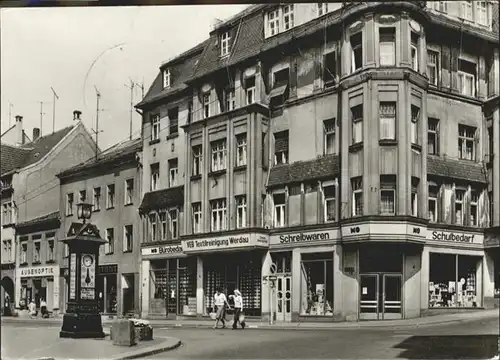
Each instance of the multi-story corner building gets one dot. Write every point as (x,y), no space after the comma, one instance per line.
(111,182)
(349,150)
(30,210)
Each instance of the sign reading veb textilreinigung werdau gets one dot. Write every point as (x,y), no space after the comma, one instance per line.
(251,240)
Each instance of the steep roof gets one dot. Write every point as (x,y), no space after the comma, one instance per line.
(11,129)
(13,158)
(115,153)
(456,169)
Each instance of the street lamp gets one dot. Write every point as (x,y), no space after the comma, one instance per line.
(82,318)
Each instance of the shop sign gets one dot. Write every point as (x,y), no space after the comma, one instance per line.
(107,269)
(39,271)
(172,250)
(304,237)
(226,242)
(457,237)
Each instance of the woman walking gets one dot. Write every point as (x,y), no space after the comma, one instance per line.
(238,310)
(220,303)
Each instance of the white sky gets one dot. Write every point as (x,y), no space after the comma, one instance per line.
(56,47)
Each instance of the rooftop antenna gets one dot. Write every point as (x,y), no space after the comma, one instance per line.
(54,109)
(10,113)
(131,86)
(41,116)
(96,131)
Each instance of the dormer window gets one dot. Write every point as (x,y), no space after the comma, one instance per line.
(288,17)
(273,22)
(166,78)
(278,20)
(224,44)
(322,8)
(466,10)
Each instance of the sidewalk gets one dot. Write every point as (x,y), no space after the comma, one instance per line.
(47,344)
(202,323)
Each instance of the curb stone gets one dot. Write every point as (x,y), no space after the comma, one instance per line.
(149,351)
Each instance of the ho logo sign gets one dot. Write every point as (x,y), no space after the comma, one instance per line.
(355,230)
(416,230)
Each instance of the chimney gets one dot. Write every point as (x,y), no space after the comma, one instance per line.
(36,133)
(19,130)
(76,115)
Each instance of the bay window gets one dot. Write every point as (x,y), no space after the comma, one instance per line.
(415,117)
(279,210)
(414,51)
(414,196)
(219,154)
(387,46)
(357,196)
(241,149)
(387,195)
(197,219)
(432,203)
(387,115)
(197,160)
(219,215)
(241,211)
(357,124)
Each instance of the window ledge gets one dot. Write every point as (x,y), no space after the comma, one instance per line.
(240,168)
(172,136)
(128,204)
(356,147)
(416,147)
(152,142)
(387,142)
(217,173)
(195,177)
(23,264)
(8,225)
(50,262)
(36,263)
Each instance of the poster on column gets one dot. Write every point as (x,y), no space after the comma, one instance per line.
(72,277)
(87,277)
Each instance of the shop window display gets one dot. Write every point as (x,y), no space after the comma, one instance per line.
(317,284)
(453,281)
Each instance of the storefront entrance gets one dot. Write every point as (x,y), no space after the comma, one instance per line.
(283,298)
(380,296)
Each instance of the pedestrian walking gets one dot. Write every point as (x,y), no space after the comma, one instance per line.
(6,305)
(32,309)
(43,308)
(239,317)
(220,302)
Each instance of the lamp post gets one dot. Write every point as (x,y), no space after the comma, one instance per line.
(82,318)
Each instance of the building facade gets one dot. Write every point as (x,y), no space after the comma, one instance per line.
(111,183)
(318,143)
(30,210)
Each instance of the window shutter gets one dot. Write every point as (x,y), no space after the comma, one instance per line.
(477,146)
(441,203)
(466,207)
(453,217)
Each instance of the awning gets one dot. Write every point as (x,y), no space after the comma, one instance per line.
(278,90)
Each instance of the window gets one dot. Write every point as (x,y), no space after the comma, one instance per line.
(357,124)
(219,215)
(153,230)
(219,155)
(24,252)
(83,196)
(329,202)
(329,136)
(387,195)
(387,113)
(69,204)
(206,105)
(110,198)
(273,22)
(288,17)
(433,136)
(129,191)
(459,206)
(173,170)
(96,200)
(279,210)
(322,8)
(474,208)
(173,223)
(466,142)
(128,238)
(466,10)
(414,51)
(166,78)
(241,149)
(357,196)
(173,121)
(241,212)
(387,46)
(280,91)
(155,127)
(432,203)
(36,252)
(224,44)
(316,284)
(453,281)
(65,250)
(482,13)
(155,176)
(109,247)
(163,225)
(415,117)
(414,196)
(329,69)
(250,90)
(357,52)
(197,219)
(50,246)
(466,77)
(281,147)
(197,160)
(230,100)
(433,67)
(7,251)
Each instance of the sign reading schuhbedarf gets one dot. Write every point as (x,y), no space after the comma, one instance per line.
(226,242)
(455,237)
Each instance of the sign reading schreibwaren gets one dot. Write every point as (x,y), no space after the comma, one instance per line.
(304,238)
